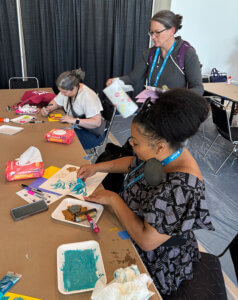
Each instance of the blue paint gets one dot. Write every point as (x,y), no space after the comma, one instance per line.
(79,187)
(124,235)
(79,270)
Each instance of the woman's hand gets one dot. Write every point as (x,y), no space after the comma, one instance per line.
(109,81)
(67,119)
(102,197)
(86,171)
(44,112)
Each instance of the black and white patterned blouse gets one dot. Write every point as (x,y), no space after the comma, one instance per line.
(175,207)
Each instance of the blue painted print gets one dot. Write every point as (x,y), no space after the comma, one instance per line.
(79,270)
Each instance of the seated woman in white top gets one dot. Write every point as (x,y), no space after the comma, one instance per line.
(82,107)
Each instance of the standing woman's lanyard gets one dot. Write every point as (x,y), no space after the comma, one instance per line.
(164,162)
(162,67)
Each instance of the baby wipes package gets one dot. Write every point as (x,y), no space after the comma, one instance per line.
(28,165)
(64,136)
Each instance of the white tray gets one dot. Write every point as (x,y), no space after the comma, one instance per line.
(87,245)
(6,129)
(58,215)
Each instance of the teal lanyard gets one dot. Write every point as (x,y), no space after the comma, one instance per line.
(164,162)
(136,178)
(162,67)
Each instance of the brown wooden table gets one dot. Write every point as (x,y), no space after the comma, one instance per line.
(225,91)
(29,246)
(222,89)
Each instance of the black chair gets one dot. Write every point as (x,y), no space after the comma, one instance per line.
(207,283)
(233,248)
(220,118)
(23,82)
(108,114)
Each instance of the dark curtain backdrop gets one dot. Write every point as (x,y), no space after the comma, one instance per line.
(104,37)
(10,60)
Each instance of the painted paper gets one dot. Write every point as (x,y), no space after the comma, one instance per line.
(65,180)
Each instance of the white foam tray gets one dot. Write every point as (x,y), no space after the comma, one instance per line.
(58,215)
(79,246)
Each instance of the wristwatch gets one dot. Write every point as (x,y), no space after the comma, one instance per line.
(77,121)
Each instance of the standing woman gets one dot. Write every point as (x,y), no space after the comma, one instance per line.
(163,67)
(82,107)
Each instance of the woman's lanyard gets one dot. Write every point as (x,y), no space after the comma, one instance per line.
(69,107)
(164,162)
(162,67)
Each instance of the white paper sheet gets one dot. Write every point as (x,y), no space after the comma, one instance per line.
(50,198)
(6,129)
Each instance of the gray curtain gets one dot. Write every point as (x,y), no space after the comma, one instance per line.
(10,60)
(103,37)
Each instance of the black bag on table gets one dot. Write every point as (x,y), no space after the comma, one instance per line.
(217,76)
(114,181)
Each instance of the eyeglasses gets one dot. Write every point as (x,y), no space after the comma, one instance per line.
(156,33)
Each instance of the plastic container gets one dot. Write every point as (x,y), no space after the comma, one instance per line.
(120,99)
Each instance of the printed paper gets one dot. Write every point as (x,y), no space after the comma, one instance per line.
(64,181)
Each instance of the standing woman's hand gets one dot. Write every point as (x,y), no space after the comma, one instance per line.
(109,81)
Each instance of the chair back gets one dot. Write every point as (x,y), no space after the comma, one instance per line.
(233,248)
(108,114)
(221,119)
(207,282)
(23,82)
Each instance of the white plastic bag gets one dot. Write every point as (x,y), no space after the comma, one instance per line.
(128,284)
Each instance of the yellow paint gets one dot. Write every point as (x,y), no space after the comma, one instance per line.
(13,296)
(112,229)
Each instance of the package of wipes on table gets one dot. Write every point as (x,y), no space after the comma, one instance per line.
(28,165)
(64,136)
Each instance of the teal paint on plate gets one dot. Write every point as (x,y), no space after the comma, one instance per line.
(79,270)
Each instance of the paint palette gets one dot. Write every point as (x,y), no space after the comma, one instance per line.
(79,266)
(58,215)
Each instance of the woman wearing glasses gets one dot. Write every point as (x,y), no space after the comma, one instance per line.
(167,63)
(82,107)
(163,199)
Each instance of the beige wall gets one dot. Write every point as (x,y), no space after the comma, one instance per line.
(160,5)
